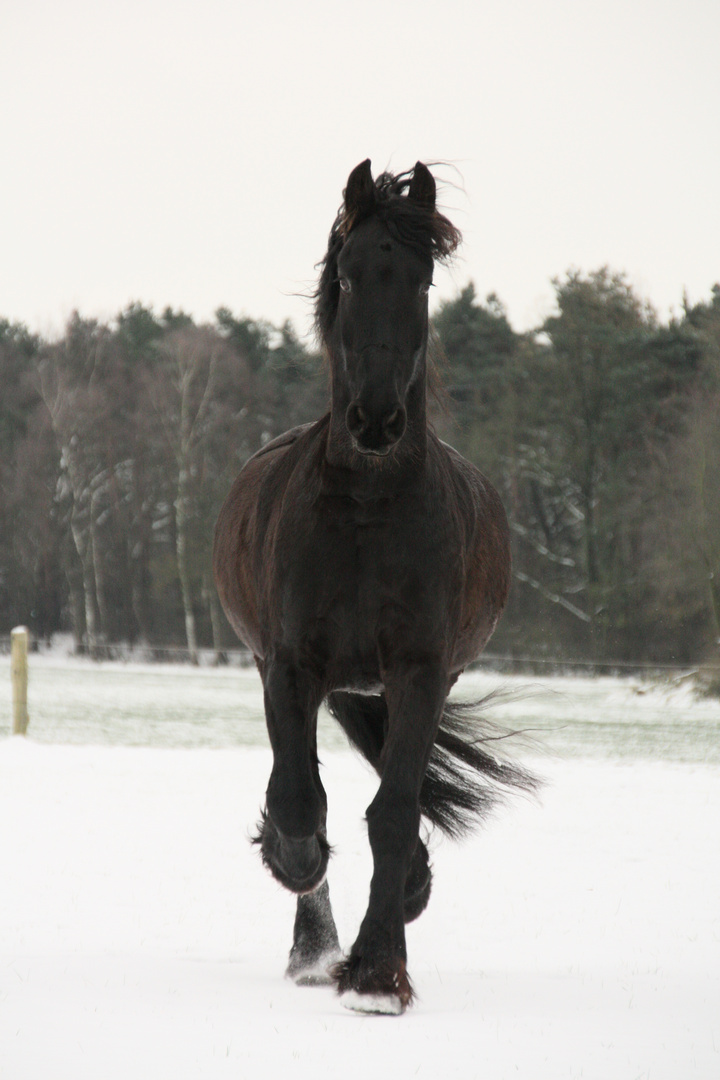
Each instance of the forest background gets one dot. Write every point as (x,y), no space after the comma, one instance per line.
(601,429)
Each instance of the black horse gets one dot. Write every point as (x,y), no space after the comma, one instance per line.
(365,563)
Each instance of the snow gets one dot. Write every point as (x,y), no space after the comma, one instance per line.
(577,935)
(131,704)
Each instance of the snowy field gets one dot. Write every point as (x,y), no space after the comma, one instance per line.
(576,936)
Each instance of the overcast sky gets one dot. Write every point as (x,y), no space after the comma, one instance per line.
(194,153)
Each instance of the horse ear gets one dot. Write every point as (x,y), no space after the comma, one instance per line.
(360,190)
(422,186)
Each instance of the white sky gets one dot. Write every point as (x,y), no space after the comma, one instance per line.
(194,153)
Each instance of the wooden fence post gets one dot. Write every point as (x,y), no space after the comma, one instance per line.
(19,673)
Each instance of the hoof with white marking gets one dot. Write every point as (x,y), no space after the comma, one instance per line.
(319,973)
(374,1004)
(372,985)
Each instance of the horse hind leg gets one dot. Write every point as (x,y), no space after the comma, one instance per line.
(316,949)
(364,719)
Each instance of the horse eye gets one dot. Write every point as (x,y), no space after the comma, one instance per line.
(425,288)
(344,284)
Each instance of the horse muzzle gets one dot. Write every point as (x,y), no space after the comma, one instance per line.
(375,431)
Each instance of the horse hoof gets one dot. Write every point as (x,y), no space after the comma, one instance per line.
(316,973)
(298,864)
(373,986)
(373,1004)
(301,862)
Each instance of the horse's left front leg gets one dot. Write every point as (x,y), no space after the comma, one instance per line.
(374,976)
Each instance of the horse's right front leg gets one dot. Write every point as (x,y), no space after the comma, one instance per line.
(292,836)
(292,833)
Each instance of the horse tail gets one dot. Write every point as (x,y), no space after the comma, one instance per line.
(363,718)
(464,780)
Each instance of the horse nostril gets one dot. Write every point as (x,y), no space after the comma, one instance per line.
(392,420)
(394,424)
(356,419)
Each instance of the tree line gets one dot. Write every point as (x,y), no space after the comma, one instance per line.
(601,429)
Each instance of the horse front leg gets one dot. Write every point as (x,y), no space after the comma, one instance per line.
(292,832)
(292,837)
(374,976)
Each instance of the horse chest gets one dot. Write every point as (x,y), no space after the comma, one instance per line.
(362,576)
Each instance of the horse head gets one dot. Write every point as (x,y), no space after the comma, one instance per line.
(373,302)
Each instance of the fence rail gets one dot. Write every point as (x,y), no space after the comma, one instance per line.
(144,653)
(504,664)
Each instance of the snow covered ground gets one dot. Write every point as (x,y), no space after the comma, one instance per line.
(575,936)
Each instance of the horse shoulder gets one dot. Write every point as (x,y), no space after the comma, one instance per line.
(241,528)
(286,439)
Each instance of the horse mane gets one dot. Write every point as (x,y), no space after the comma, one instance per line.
(412,223)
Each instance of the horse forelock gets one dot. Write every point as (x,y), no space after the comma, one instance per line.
(414,224)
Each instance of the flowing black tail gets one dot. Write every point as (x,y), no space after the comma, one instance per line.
(464,780)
